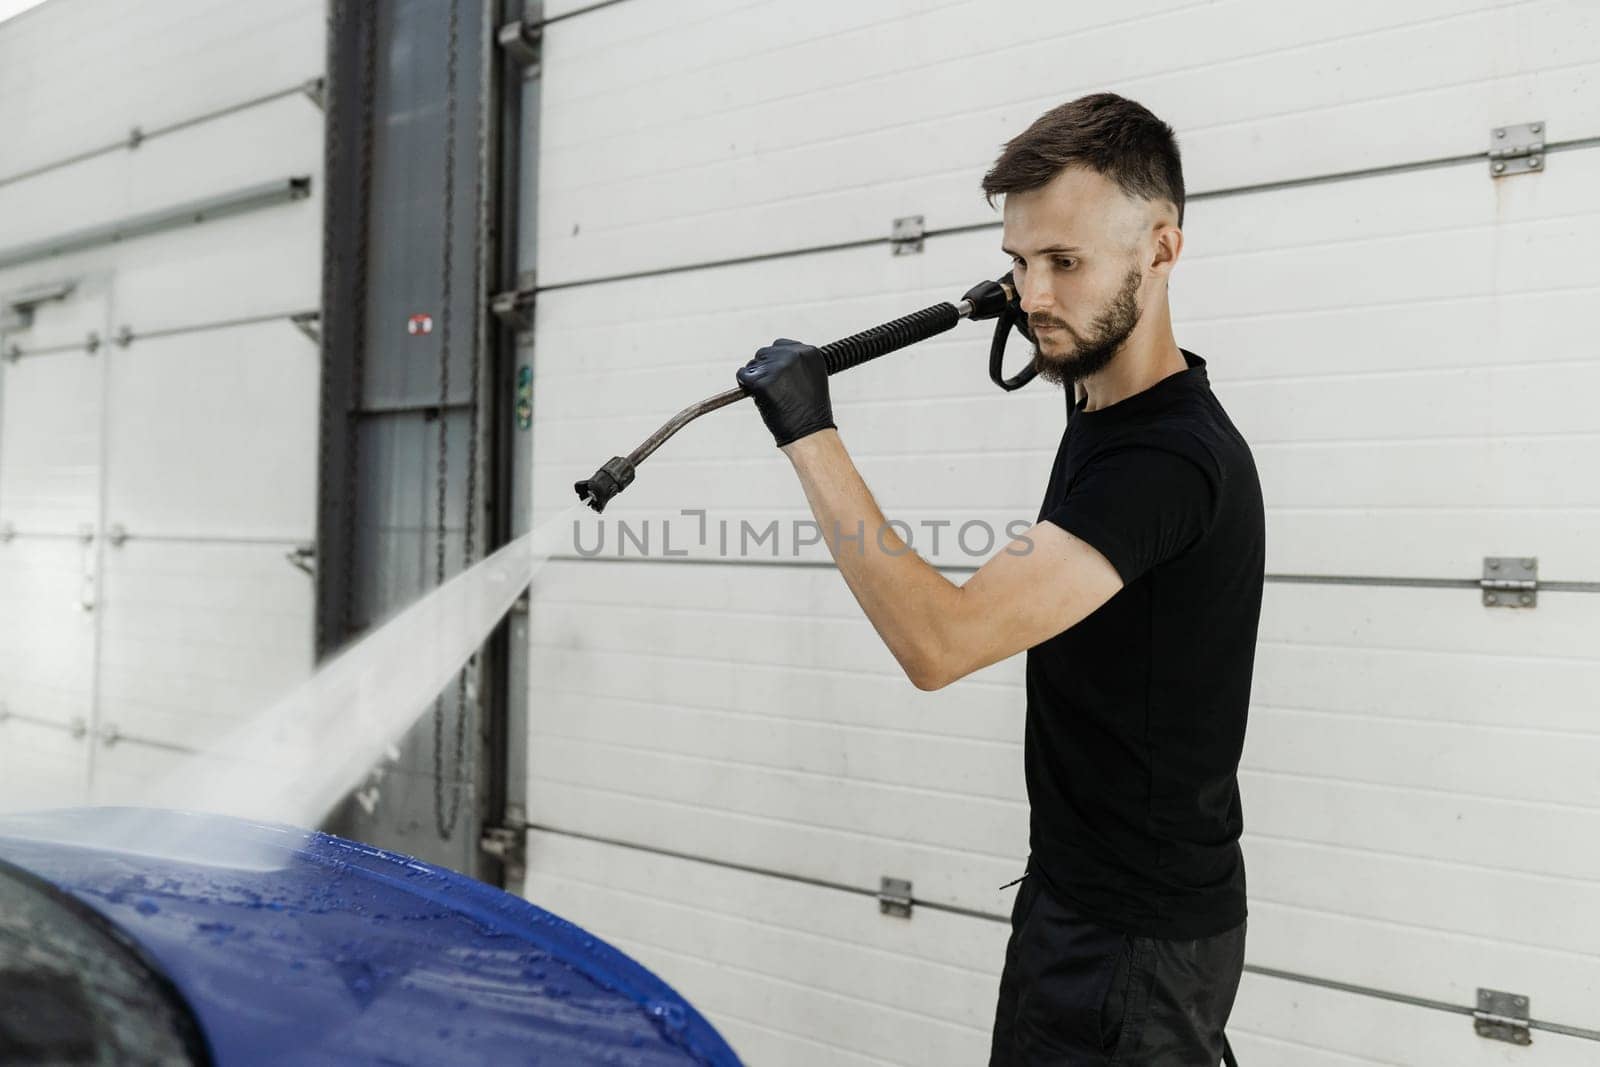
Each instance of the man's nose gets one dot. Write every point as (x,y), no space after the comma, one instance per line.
(1036,294)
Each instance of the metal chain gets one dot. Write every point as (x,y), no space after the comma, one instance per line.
(445,823)
(475,363)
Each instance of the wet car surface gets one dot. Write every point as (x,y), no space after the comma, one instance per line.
(242,943)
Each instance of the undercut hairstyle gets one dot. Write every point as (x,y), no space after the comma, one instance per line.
(1108,133)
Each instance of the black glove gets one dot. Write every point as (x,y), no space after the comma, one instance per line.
(789,381)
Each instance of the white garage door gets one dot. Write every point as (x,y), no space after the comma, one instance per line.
(158,428)
(724,760)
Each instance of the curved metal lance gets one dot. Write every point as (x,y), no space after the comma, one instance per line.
(986,300)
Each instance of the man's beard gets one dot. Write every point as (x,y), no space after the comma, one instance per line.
(1106,334)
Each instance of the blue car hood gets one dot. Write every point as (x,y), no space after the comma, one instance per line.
(292,946)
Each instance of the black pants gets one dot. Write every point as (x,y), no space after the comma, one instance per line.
(1073,992)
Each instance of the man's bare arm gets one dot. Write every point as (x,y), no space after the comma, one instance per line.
(1042,583)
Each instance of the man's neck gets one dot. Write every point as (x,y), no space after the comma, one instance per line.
(1135,368)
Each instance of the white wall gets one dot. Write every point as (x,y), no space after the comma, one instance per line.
(200,445)
(1411,356)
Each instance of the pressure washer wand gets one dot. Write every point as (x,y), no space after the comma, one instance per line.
(985,300)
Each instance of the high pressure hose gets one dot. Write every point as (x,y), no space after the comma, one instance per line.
(986,300)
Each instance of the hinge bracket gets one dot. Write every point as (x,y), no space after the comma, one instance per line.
(514,308)
(522,40)
(1502,1016)
(16,310)
(1516,149)
(1510,582)
(508,843)
(307,322)
(894,897)
(905,237)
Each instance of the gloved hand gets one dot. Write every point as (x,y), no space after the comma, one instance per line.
(789,381)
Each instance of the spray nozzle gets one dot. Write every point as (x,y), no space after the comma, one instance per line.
(611,479)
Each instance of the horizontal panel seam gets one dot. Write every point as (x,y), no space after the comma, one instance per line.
(1246,769)
(1372,172)
(765,923)
(1013,805)
(860,835)
(817,724)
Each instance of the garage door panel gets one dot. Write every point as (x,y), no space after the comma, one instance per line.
(955,766)
(1532,692)
(809,962)
(234,268)
(264,144)
(955,943)
(250,393)
(140,67)
(1507,906)
(1380,446)
(1281,1022)
(1448,966)
(772,639)
(1483,760)
(125,770)
(862,701)
(50,442)
(47,627)
(1500,835)
(967,824)
(41,766)
(1440,620)
(1339,539)
(197,637)
(962,878)
(811,191)
(1398,407)
(58,323)
(809,958)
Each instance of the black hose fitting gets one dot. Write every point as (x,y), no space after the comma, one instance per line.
(611,479)
(988,299)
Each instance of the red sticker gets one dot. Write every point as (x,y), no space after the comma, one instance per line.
(417,325)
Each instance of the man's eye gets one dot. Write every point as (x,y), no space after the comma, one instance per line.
(1066,264)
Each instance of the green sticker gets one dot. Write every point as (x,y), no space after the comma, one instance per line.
(524,397)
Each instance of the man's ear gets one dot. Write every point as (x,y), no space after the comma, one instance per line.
(1168,246)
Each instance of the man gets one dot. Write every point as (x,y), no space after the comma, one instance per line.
(1136,596)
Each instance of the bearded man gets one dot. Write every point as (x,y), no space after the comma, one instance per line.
(1136,598)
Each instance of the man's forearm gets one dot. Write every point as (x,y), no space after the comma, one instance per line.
(908,602)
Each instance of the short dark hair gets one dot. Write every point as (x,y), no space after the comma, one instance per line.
(1108,133)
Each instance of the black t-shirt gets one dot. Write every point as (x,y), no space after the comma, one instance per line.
(1136,715)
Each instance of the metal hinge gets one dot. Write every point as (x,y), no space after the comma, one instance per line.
(514,308)
(303,558)
(522,39)
(905,238)
(316,91)
(1516,149)
(508,842)
(894,897)
(1510,582)
(1502,1017)
(17,309)
(307,322)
